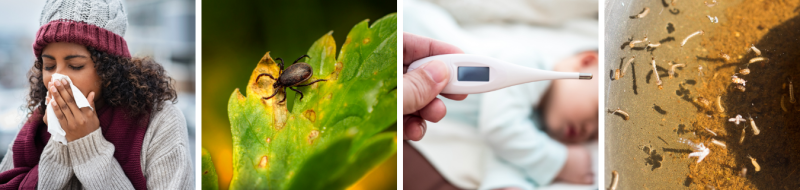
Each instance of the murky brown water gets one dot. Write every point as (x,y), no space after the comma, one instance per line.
(645,149)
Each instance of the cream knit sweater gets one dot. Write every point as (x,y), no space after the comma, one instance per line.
(89,163)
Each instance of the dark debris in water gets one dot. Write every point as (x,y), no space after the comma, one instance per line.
(670,29)
(659,110)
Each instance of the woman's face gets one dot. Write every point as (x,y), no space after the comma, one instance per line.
(74,61)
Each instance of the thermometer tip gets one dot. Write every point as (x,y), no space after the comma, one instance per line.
(585,76)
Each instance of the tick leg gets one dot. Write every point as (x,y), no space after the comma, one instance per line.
(265,74)
(312,82)
(270,96)
(301,57)
(284,96)
(298,91)
(279,64)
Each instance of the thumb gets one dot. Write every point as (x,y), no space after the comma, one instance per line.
(91,99)
(421,85)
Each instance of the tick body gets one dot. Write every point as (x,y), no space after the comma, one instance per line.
(291,77)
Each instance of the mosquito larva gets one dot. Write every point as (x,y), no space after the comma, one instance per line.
(614,180)
(672,69)
(727,58)
(755,164)
(655,72)
(716,142)
(616,74)
(757,59)
(791,92)
(754,49)
(719,104)
(643,13)
(625,67)
(741,140)
(783,106)
(713,19)
(743,173)
(700,32)
(713,2)
(633,43)
(753,125)
(651,45)
(744,71)
(620,112)
(712,132)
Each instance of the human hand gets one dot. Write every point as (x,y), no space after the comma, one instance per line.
(77,122)
(578,168)
(421,85)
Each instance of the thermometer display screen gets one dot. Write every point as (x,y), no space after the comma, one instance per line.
(473,74)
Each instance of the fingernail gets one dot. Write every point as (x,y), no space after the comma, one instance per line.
(58,82)
(53,89)
(437,70)
(422,127)
(64,81)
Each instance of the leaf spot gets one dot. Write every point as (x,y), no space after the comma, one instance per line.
(366,40)
(310,114)
(263,162)
(314,134)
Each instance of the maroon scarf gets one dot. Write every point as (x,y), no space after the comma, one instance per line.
(126,133)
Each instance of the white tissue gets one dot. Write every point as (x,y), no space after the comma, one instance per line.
(53,126)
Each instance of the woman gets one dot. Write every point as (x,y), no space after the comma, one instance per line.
(130,137)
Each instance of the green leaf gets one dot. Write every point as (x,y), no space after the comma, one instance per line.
(210,177)
(341,128)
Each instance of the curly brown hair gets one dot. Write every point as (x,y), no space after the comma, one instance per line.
(138,84)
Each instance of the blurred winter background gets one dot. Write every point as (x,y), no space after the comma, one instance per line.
(163,30)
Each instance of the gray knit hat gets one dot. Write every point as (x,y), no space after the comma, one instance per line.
(97,23)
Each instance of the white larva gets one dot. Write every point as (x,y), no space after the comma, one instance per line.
(757,59)
(655,72)
(672,69)
(700,32)
(753,125)
(644,13)
(754,49)
(716,142)
(614,180)
(625,67)
(755,164)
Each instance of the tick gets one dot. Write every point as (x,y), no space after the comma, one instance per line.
(296,74)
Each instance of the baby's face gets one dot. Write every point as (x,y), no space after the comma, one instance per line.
(570,106)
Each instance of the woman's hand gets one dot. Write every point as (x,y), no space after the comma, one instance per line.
(77,122)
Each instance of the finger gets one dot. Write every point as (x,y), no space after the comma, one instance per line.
(413,127)
(434,111)
(455,96)
(66,93)
(421,86)
(418,47)
(89,112)
(60,106)
(59,114)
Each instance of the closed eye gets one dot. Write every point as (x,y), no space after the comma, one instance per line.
(76,67)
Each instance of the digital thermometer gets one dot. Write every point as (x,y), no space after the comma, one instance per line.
(473,74)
